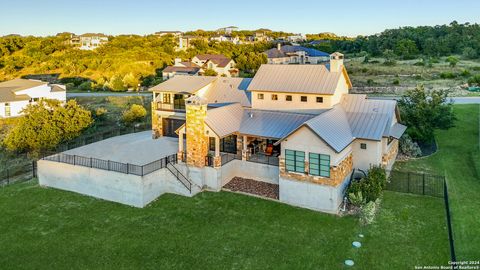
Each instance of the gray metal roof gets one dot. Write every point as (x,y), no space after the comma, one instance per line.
(226,90)
(183,84)
(333,127)
(8,89)
(312,79)
(225,120)
(397,130)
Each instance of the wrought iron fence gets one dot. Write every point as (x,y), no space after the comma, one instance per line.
(224,159)
(109,165)
(417,183)
(264,159)
(19,173)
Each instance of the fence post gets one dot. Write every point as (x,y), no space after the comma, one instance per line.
(8,177)
(408,183)
(33,169)
(91,162)
(128,167)
(423,184)
(142,170)
(108,164)
(449,222)
(73,160)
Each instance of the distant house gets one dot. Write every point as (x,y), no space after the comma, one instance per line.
(16,94)
(221,64)
(88,41)
(296,38)
(180,68)
(289,54)
(261,36)
(228,30)
(173,33)
(318,42)
(185,42)
(226,38)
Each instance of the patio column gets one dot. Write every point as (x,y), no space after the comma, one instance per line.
(244,149)
(217,162)
(180,145)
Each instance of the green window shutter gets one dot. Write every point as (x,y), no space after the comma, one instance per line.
(319,164)
(295,161)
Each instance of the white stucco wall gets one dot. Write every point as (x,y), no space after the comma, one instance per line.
(312,196)
(296,104)
(305,140)
(15,108)
(364,158)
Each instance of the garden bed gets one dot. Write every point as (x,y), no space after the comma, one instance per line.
(263,189)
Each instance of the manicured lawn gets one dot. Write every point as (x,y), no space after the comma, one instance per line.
(459,159)
(47,228)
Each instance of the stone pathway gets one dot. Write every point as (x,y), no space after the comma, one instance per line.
(253,187)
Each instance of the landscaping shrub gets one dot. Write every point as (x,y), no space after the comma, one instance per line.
(370,82)
(369,187)
(356,199)
(368,211)
(448,75)
(396,82)
(134,114)
(408,147)
(474,81)
(465,73)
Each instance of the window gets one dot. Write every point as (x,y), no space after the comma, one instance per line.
(288,98)
(260,96)
(295,161)
(166,98)
(319,164)
(303,98)
(363,146)
(274,97)
(319,99)
(8,111)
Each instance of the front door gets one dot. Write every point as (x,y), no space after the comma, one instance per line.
(170,125)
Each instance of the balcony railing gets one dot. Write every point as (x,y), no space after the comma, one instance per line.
(224,158)
(169,106)
(264,159)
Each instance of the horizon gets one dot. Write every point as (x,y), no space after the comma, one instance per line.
(54,16)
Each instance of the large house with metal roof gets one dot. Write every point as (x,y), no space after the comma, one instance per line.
(295,126)
(290,54)
(16,94)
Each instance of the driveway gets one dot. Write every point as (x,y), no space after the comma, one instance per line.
(136,148)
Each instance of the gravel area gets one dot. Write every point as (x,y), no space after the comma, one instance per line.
(253,187)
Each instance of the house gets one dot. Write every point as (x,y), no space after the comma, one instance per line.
(226,38)
(228,30)
(181,68)
(221,64)
(289,54)
(173,33)
(89,41)
(261,37)
(16,94)
(296,126)
(296,38)
(185,42)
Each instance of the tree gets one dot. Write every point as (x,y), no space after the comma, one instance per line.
(130,81)
(389,58)
(47,124)
(116,83)
(424,111)
(406,48)
(210,72)
(469,53)
(452,61)
(134,114)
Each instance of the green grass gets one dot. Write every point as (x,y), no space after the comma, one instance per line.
(48,228)
(459,159)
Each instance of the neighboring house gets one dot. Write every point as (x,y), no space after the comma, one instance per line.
(261,37)
(89,41)
(226,38)
(180,68)
(169,98)
(16,94)
(228,30)
(173,33)
(185,42)
(301,129)
(296,38)
(289,54)
(221,64)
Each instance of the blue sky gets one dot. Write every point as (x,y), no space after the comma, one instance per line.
(347,17)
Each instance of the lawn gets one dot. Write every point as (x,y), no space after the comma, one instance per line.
(48,228)
(459,159)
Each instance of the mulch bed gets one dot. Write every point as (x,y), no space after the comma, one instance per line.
(253,187)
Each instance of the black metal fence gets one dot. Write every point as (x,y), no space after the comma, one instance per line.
(18,173)
(224,158)
(449,223)
(115,166)
(417,183)
(264,159)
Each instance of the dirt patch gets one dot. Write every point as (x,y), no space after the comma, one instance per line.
(253,187)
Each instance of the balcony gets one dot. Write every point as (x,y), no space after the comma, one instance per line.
(171,107)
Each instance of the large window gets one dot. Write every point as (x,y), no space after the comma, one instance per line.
(303,99)
(319,164)
(295,161)
(166,98)
(260,96)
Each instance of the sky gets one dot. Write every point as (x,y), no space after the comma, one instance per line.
(113,17)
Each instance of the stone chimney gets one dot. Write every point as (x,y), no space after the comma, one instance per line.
(336,62)
(177,61)
(279,46)
(197,139)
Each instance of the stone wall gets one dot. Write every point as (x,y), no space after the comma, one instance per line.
(337,173)
(389,157)
(197,140)
(157,123)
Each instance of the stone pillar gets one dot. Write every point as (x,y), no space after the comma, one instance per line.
(197,140)
(180,146)
(244,148)
(217,161)
(157,123)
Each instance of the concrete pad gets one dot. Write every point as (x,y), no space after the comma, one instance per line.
(136,148)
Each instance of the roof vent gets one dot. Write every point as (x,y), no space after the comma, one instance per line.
(250,114)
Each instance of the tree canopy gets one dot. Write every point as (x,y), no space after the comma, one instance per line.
(46,124)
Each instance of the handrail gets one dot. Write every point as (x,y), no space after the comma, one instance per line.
(177,174)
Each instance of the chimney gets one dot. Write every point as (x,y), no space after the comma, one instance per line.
(336,62)
(177,61)
(279,46)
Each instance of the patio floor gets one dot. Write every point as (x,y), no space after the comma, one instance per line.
(136,148)
(259,188)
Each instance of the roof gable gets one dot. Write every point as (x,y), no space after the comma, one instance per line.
(184,84)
